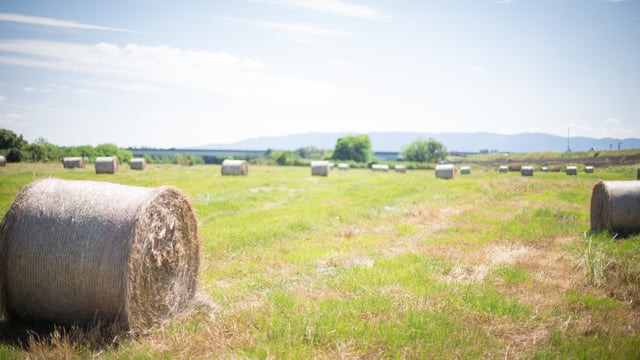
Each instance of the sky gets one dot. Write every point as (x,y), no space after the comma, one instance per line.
(164,73)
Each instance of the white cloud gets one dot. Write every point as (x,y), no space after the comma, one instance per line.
(163,65)
(33,89)
(341,64)
(612,121)
(11,119)
(3,98)
(44,21)
(293,29)
(504,1)
(336,7)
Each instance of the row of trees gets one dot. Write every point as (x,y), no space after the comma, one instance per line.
(355,149)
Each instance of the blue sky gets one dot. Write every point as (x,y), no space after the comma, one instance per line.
(185,73)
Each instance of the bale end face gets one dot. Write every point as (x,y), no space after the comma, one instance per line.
(615,206)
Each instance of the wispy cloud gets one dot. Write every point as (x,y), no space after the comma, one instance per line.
(612,121)
(292,29)
(614,1)
(45,21)
(149,67)
(335,7)
(3,98)
(504,1)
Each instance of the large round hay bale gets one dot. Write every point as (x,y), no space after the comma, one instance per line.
(465,170)
(571,170)
(615,206)
(3,161)
(400,169)
(445,171)
(343,167)
(526,171)
(588,169)
(234,167)
(107,165)
(320,168)
(85,251)
(137,164)
(73,162)
(503,169)
(380,167)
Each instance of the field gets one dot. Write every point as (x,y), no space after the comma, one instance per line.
(379,265)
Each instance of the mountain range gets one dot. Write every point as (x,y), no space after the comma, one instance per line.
(462,142)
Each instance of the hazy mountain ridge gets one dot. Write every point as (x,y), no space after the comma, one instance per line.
(464,142)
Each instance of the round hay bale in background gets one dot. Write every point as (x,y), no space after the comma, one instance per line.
(73,162)
(571,170)
(503,169)
(445,171)
(235,167)
(3,161)
(465,170)
(380,167)
(320,168)
(400,169)
(638,174)
(343,167)
(615,206)
(588,169)
(107,165)
(526,171)
(137,164)
(544,169)
(78,252)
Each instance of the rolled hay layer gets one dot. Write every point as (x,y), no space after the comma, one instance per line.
(320,168)
(465,170)
(73,162)
(234,167)
(107,165)
(571,170)
(85,251)
(343,167)
(615,206)
(380,167)
(588,169)
(3,161)
(137,164)
(503,169)
(445,171)
(526,171)
(400,169)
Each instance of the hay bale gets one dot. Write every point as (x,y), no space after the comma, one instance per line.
(445,171)
(544,169)
(526,171)
(615,206)
(465,170)
(3,161)
(73,162)
(515,168)
(503,169)
(380,167)
(235,167)
(400,169)
(137,164)
(571,170)
(86,251)
(343,167)
(588,169)
(107,165)
(320,168)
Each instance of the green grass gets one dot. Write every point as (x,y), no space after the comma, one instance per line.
(382,265)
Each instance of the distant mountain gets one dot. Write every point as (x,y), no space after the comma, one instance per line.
(463,142)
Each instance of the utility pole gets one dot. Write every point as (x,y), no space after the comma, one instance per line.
(568,141)
(619,142)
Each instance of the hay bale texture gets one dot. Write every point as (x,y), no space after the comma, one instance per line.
(73,162)
(526,171)
(107,165)
(320,168)
(615,206)
(84,251)
(235,167)
(137,164)
(3,161)
(571,170)
(445,171)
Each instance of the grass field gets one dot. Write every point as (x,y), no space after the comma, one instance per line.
(380,265)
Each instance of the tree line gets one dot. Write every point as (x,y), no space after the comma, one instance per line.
(354,149)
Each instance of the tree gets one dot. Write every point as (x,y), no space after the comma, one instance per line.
(355,148)
(425,151)
(9,140)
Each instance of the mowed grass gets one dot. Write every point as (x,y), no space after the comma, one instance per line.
(381,265)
